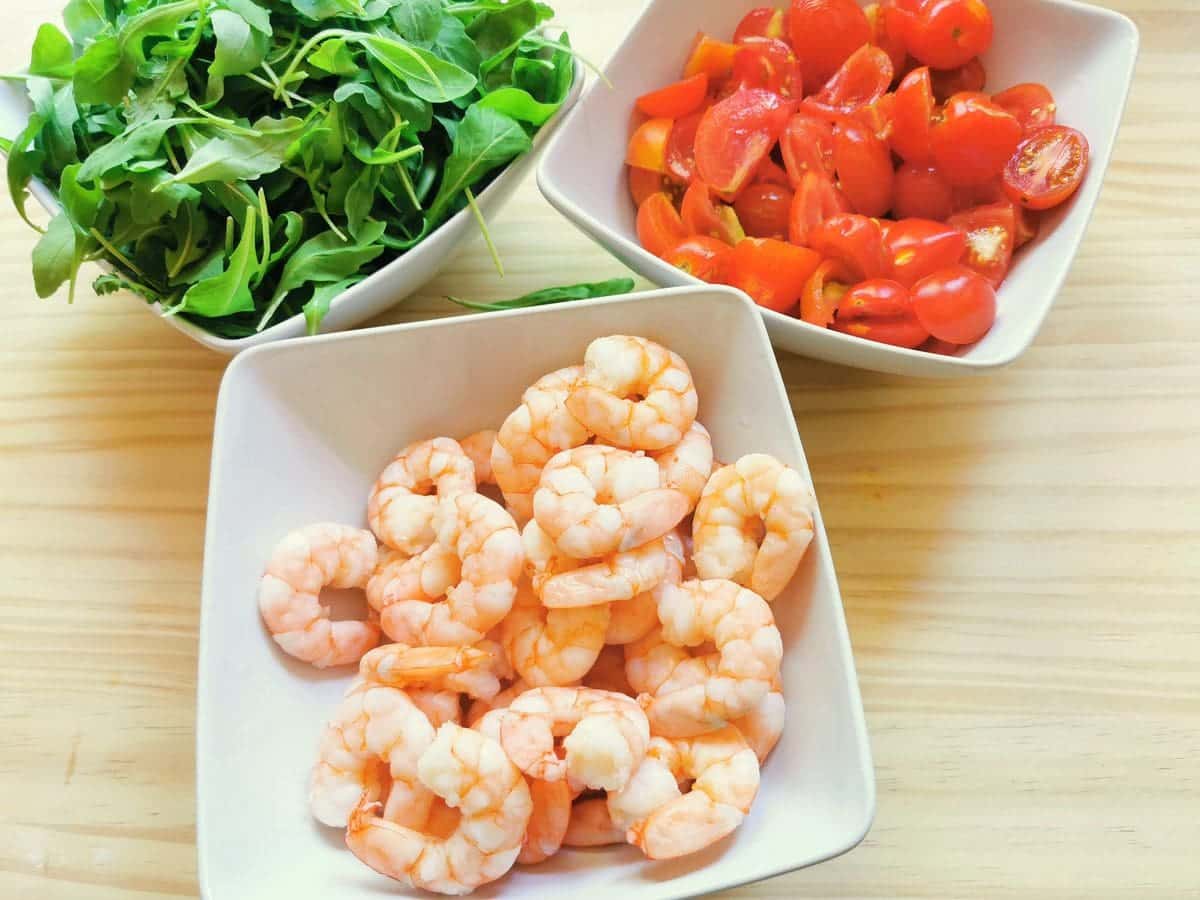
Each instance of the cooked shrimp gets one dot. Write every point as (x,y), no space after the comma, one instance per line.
(753,524)
(289,597)
(478,448)
(616,578)
(439,707)
(725,776)
(608,674)
(538,429)
(596,500)
(604,735)
(543,559)
(688,465)
(634,619)
(480,708)
(762,727)
(400,508)
(376,729)
(591,825)
(473,775)
(552,646)
(466,670)
(617,371)
(686,695)
(485,541)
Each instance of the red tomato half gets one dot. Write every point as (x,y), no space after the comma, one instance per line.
(736,135)
(948,33)
(643,184)
(862,79)
(990,234)
(817,199)
(855,240)
(921,193)
(968,196)
(769,64)
(704,217)
(764,210)
(973,139)
(766,21)
(971,77)
(824,291)
(772,272)
(955,305)
(879,117)
(681,149)
(887,35)
(702,257)
(920,247)
(770,172)
(912,117)
(1047,168)
(675,100)
(807,145)
(864,168)
(648,146)
(712,57)
(880,310)
(659,226)
(824,34)
(1030,104)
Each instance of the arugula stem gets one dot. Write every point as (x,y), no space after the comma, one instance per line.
(309,45)
(212,118)
(124,260)
(487,235)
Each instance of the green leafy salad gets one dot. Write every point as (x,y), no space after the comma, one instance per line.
(245,161)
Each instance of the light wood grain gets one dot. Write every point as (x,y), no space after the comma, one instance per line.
(1019,554)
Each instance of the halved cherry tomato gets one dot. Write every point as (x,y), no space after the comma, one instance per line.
(766,21)
(912,116)
(973,139)
(712,57)
(769,64)
(1047,168)
(920,247)
(770,172)
(1031,104)
(807,145)
(968,196)
(955,305)
(702,257)
(990,234)
(921,193)
(855,240)
(862,79)
(824,291)
(947,33)
(971,77)
(659,227)
(864,168)
(675,100)
(772,272)
(703,217)
(880,310)
(817,199)
(888,39)
(643,184)
(765,209)
(648,146)
(681,149)
(736,135)
(941,348)
(879,117)
(824,34)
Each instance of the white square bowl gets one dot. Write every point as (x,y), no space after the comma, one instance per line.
(385,288)
(1085,55)
(292,447)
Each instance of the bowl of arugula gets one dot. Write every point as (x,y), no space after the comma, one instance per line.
(258,171)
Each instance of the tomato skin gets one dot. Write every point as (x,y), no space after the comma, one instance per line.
(948,33)
(861,80)
(769,64)
(971,195)
(920,247)
(912,117)
(855,240)
(772,272)
(817,199)
(921,193)
(703,217)
(766,21)
(643,184)
(659,227)
(973,139)
(770,172)
(648,146)
(864,168)
(1028,226)
(735,136)
(886,34)
(955,305)
(990,234)
(824,34)
(1047,168)
(880,310)
(824,291)
(969,78)
(879,117)
(712,57)
(701,257)
(807,145)
(675,100)
(1031,104)
(764,210)
(680,159)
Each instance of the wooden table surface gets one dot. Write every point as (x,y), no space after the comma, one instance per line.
(1019,554)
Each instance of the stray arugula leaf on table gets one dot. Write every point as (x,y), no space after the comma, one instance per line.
(547,296)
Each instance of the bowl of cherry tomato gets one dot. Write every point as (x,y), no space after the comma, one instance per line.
(901,186)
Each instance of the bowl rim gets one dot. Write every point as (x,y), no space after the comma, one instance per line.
(957,365)
(223,436)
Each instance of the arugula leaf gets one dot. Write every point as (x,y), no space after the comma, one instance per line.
(484,140)
(85,19)
(138,142)
(256,17)
(52,54)
(317,307)
(229,292)
(418,21)
(547,296)
(54,256)
(518,104)
(319,10)
(241,157)
(335,57)
(429,77)
(24,159)
(240,48)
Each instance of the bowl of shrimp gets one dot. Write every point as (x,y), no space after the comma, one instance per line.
(527,602)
